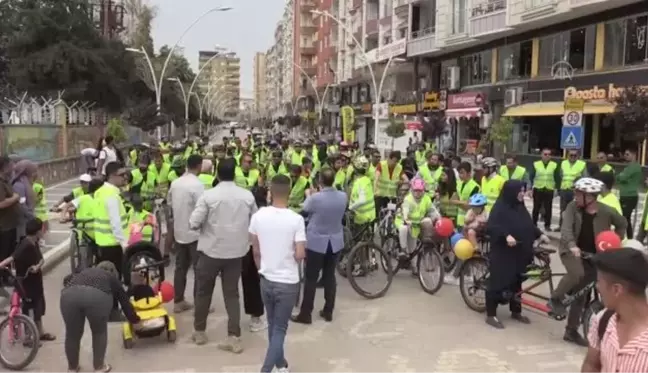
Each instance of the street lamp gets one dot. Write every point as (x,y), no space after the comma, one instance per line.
(320,100)
(158,82)
(377,86)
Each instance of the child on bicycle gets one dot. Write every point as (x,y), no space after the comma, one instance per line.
(476,218)
(417,211)
(28,261)
(143,226)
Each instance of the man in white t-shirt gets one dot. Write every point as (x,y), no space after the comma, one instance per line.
(107,154)
(278,237)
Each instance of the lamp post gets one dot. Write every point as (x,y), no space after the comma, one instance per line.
(377,86)
(320,100)
(157,82)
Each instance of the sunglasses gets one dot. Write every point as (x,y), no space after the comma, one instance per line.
(546,154)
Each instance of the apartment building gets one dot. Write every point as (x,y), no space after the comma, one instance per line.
(259,87)
(279,66)
(221,80)
(305,48)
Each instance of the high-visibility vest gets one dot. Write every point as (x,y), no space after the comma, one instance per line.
(207,180)
(570,172)
(518,173)
(431,178)
(166,155)
(463,190)
(103,230)
(78,192)
(371,172)
(246,182)
(491,188)
(132,155)
(161,177)
(148,186)
(419,155)
(271,171)
(40,210)
(544,175)
(85,212)
(417,211)
(297,158)
(611,200)
(298,194)
(448,210)
(139,217)
(366,213)
(332,149)
(387,185)
(173,175)
(340,179)
(607,168)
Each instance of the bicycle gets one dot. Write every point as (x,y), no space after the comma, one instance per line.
(82,246)
(22,330)
(540,271)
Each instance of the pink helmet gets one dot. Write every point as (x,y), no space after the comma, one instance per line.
(417,184)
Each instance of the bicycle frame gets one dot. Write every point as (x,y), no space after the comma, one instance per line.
(15,307)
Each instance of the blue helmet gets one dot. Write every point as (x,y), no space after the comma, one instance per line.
(477,200)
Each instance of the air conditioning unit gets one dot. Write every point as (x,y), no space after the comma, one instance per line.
(513,96)
(485,121)
(454,77)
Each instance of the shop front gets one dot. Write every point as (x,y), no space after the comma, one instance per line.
(539,117)
(466,115)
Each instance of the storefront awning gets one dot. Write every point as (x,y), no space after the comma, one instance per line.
(555,108)
(463,113)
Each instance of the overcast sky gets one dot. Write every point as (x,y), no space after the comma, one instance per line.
(246,29)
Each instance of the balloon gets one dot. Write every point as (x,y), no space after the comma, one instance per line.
(607,240)
(444,227)
(167,291)
(455,237)
(464,249)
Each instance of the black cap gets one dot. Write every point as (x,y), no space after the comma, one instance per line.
(627,263)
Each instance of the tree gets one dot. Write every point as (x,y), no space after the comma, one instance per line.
(631,113)
(500,133)
(115,128)
(145,15)
(395,129)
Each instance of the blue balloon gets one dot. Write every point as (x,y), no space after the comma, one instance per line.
(455,237)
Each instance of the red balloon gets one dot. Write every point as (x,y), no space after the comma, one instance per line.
(607,240)
(167,291)
(444,227)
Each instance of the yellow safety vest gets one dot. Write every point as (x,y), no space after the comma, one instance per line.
(417,211)
(85,212)
(419,155)
(173,175)
(103,231)
(463,190)
(207,180)
(297,158)
(371,172)
(78,192)
(332,149)
(518,173)
(607,168)
(431,178)
(272,172)
(340,179)
(387,185)
(448,210)
(246,182)
(544,175)
(611,200)
(148,186)
(366,213)
(40,210)
(570,172)
(492,189)
(298,194)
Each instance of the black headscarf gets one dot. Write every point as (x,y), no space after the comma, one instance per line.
(509,216)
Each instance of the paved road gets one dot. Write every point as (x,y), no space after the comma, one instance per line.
(59,233)
(406,331)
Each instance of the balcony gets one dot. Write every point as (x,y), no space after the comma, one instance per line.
(488,17)
(355,5)
(531,10)
(358,36)
(307,5)
(386,21)
(401,7)
(422,42)
(308,28)
(372,26)
(308,50)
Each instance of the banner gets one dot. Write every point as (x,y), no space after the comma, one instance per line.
(348,119)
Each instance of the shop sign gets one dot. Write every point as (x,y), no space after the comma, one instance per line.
(392,50)
(403,109)
(466,100)
(434,100)
(366,108)
(603,93)
(348,122)
(380,111)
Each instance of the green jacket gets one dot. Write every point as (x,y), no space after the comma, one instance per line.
(630,180)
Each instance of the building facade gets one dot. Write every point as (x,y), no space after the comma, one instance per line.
(259,88)
(221,80)
(279,66)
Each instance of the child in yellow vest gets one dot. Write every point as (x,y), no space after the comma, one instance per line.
(476,218)
(143,225)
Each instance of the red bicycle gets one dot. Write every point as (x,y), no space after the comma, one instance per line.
(18,330)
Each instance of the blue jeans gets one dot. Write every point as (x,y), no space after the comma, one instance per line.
(279,299)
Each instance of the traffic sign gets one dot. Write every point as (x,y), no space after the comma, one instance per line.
(571,137)
(573,112)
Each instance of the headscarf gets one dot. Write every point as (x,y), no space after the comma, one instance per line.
(23,171)
(509,216)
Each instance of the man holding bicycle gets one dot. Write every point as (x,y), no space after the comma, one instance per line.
(583,219)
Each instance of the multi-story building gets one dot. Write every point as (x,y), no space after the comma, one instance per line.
(222,81)
(109,16)
(279,66)
(305,47)
(259,88)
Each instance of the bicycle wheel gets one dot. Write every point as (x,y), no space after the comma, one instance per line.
(431,258)
(391,248)
(73,250)
(473,277)
(85,256)
(590,311)
(348,241)
(448,257)
(24,334)
(362,264)
(158,228)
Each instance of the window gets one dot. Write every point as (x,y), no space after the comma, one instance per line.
(635,41)
(576,47)
(514,61)
(387,9)
(387,40)
(476,68)
(614,43)
(444,78)
(459,17)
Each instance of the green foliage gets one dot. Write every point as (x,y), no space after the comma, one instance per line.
(142,36)
(396,128)
(631,113)
(115,128)
(501,131)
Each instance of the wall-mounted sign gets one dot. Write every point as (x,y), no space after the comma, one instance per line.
(391,50)
(607,93)
(466,100)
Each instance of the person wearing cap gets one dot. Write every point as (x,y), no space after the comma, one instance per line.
(84,181)
(618,335)
(206,176)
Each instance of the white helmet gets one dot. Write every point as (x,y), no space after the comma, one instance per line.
(489,162)
(588,185)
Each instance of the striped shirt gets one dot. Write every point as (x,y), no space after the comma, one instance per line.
(632,357)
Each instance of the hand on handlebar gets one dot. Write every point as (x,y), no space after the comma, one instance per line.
(576,251)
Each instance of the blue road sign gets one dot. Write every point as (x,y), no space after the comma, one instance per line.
(571,137)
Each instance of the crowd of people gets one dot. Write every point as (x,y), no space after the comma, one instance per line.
(290,198)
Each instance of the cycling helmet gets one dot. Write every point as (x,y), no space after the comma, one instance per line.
(361,162)
(489,162)
(588,185)
(477,200)
(417,184)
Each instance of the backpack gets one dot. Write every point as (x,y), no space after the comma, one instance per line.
(603,323)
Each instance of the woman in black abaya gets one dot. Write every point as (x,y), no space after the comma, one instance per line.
(512,234)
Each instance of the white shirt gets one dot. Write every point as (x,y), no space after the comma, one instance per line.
(278,229)
(183,195)
(89,151)
(107,155)
(114,213)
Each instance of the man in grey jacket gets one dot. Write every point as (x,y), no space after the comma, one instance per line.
(222,216)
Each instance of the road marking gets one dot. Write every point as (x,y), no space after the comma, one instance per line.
(240,368)
(400,363)
(339,365)
(478,359)
(371,317)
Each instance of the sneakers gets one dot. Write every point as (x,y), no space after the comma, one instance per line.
(257,324)
(182,306)
(199,338)
(283,370)
(451,280)
(231,344)
(494,322)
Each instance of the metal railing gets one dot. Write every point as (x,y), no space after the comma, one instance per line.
(488,7)
(422,33)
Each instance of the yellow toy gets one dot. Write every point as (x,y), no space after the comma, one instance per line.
(149,306)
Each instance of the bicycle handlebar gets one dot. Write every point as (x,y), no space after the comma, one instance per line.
(151,265)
